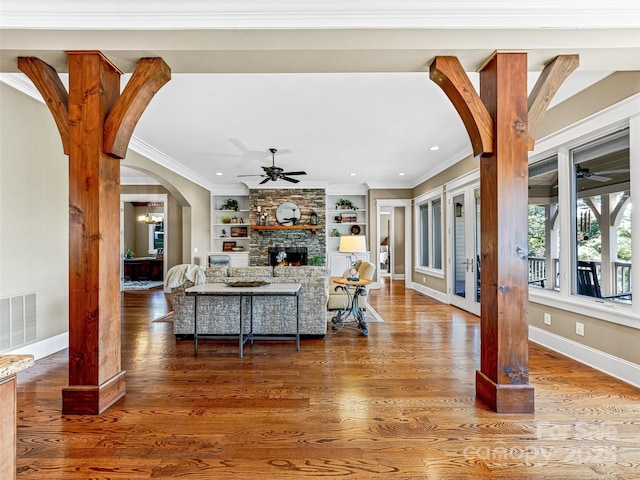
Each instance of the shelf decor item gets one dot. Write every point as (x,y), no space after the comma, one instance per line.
(345,204)
(228,246)
(230,204)
(239,232)
(348,218)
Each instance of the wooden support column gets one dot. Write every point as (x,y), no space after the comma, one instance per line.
(497,124)
(503,379)
(94,105)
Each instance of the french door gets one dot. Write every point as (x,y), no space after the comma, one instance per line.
(463,220)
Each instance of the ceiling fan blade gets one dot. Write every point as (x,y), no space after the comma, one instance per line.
(265,180)
(246,153)
(239,145)
(294,173)
(292,180)
(284,151)
(612,172)
(598,178)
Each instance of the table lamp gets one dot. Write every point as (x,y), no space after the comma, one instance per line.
(352,244)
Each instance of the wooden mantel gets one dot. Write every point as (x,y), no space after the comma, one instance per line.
(262,228)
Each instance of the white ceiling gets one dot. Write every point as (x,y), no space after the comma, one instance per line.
(343,85)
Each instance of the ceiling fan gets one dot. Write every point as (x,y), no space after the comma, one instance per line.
(582,172)
(274,173)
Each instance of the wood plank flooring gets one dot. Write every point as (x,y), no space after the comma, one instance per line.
(399,404)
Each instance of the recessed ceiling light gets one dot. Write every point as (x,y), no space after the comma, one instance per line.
(219,174)
(434,148)
(402,173)
(353,174)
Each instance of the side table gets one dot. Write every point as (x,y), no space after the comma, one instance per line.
(353,289)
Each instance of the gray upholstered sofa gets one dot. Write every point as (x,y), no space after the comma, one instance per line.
(273,315)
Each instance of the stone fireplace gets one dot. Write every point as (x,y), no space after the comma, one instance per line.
(291,239)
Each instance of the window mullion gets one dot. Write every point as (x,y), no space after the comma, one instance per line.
(566,215)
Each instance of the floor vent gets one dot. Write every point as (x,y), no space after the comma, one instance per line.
(17,321)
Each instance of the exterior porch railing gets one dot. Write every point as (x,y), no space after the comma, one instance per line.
(538,275)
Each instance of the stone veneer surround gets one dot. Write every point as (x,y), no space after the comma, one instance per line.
(269,199)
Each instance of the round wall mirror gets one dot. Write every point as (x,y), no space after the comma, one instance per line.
(288,214)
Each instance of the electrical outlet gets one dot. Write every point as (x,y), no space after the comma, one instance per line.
(195,249)
(424,279)
(547,319)
(580,329)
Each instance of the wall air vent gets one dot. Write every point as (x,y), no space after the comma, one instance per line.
(17,321)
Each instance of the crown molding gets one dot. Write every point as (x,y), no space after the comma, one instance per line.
(246,14)
(168,162)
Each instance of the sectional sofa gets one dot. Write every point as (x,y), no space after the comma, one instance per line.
(273,315)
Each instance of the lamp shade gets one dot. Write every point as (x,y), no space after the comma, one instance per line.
(352,244)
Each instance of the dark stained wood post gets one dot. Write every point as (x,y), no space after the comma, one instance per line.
(94,110)
(497,124)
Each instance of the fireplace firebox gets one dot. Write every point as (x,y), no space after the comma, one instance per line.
(287,256)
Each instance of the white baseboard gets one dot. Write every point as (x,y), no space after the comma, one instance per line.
(43,348)
(616,367)
(440,296)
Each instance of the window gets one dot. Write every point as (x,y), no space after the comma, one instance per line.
(156,235)
(424,235)
(436,233)
(429,232)
(544,246)
(601,209)
(595,191)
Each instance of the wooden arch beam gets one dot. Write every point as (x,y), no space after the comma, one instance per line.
(48,83)
(552,77)
(448,73)
(149,76)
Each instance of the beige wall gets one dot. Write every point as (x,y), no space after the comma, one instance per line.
(609,91)
(193,203)
(464,166)
(390,194)
(617,340)
(34,210)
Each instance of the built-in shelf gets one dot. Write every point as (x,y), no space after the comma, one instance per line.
(261,228)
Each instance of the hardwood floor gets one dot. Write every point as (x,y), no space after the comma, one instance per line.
(398,404)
